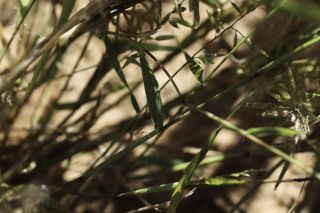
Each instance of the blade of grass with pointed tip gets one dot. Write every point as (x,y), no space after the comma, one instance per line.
(153,95)
(113,55)
(194,67)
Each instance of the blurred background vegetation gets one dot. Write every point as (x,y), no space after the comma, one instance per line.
(159,106)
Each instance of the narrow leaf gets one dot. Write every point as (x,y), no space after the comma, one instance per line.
(272,131)
(194,67)
(113,55)
(151,86)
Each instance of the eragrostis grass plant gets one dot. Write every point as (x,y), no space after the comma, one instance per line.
(148,105)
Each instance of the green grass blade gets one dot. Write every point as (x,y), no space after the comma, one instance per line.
(272,131)
(194,67)
(113,55)
(153,95)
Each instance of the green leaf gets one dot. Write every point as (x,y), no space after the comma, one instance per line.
(152,91)
(194,67)
(272,131)
(113,55)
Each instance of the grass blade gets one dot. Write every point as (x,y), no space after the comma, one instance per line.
(272,131)
(194,67)
(151,86)
(113,55)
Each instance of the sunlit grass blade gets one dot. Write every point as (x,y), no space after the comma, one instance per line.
(153,95)
(272,131)
(195,68)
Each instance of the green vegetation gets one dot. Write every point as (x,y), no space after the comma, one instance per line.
(138,105)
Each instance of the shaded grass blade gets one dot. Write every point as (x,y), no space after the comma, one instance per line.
(152,91)
(113,55)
